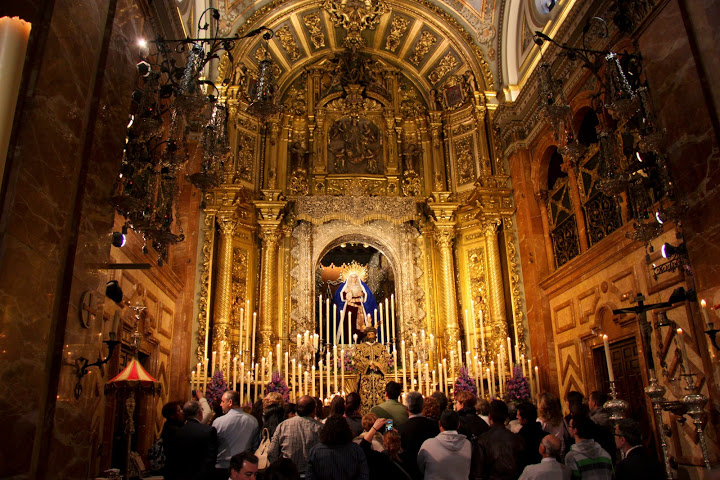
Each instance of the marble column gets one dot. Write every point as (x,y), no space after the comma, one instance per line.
(498,322)
(222,300)
(542,197)
(569,168)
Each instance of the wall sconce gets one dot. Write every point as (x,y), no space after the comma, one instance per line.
(82,364)
(677,257)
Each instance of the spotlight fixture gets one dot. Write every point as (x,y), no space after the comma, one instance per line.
(118,239)
(677,257)
(670,251)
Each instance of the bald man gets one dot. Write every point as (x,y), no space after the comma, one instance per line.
(548,468)
(294,437)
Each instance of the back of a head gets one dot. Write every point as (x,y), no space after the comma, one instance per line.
(599,398)
(191,409)
(584,427)
(352,403)
(282,469)
(574,397)
(306,406)
(449,420)
(466,399)
(393,390)
(442,400)
(233,396)
(552,446)
(392,444)
(236,461)
(414,402)
(482,406)
(629,429)
(549,409)
(368,420)
(273,398)
(290,409)
(337,405)
(431,408)
(527,411)
(170,410)
(336,431)
(498,412)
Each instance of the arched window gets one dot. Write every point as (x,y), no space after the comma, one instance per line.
(563,224)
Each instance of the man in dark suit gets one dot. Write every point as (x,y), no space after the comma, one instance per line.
(415,431)
(531,433)
(637,462)
(197,446)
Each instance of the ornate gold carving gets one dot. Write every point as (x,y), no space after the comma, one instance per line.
(398,27)
(463,128)
(357,186)
(298,183)
(287,40)
(446,65)
(465,161)
(355,16)
(314,26)
(261,53)
(240,269)
(355,145)
(411,184)
(245,156)
(223,292)
(422,47)
(498,326)
(444,237)
(513,272)
(353,268)
(205,273)
(357,210)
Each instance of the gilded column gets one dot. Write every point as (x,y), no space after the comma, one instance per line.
(495,280)
(270,215)
(223,303)
(542,197)
(569,168)
(444,223)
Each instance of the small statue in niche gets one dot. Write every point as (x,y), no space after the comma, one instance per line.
(298,156)
(412,155)
(469,85)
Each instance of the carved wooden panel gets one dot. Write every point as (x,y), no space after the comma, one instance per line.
(570,370)
(564,317)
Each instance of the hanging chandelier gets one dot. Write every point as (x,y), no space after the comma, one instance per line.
(170,101)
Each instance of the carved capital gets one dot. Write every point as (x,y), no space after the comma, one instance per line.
(270,236)
(227,224)
(490,226)
(444,235)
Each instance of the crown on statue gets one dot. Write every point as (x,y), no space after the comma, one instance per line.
(353,267)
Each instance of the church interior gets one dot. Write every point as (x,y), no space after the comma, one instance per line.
(502,188)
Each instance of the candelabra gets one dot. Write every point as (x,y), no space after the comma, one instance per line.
(616,406)
(695,403)
(656,392)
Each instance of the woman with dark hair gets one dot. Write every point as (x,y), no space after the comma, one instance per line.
(281,469)
(352,412)
(337,407)
(336,457)
(290,410)
(385,465)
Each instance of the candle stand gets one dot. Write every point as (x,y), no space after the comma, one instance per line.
(617,407)
(695,403)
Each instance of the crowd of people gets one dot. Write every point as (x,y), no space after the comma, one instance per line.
(421,438)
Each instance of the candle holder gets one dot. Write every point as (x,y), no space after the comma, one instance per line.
(712,333)
(616,406)
(82,364)
(656,392)
(695,402)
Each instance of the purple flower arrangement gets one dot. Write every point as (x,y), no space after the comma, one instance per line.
(277,384)
(216,388)
(464,382)
(518,388)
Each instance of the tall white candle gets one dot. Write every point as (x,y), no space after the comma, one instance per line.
(213,365)
(262,371)
(320,316)
(240,332)
(537,380)
(433,381)
(293,379)
(248,328)
(242,381)
(533,393)
(452,363)
(305,383)
(427,379)
(402,361)
(312,379)
(468,363)
(234,384)
(395,362)
(509,354)
(492,378)
(381,325)
(420,385)
(335,332)
(412,369)
(703,309)
(459,354)
(254,329)
(466,320)
(342,370)
(474,325)
(287,371)
(482,381)
(392,314)
(387,322)
(327,368)
(349,337)
(440,376)
(327,320)
(335,354)
(608,359)
(489,382)
(320,370)
(445,377)
(482,330)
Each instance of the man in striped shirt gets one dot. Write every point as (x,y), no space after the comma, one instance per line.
(586,458)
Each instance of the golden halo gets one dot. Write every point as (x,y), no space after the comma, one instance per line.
(353,267)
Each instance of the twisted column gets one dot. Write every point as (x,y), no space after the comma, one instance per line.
(569,168)
(222,300)
(497,293)
(541,198)
(444,236)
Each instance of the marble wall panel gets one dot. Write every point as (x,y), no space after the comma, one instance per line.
(682,106)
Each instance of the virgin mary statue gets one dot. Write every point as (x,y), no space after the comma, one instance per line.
(355,299)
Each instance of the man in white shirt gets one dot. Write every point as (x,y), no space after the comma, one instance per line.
(236,431)
(548,468)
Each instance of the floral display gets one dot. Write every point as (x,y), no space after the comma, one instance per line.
(216,388)
(464,382)
(277,384)
(518,389)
